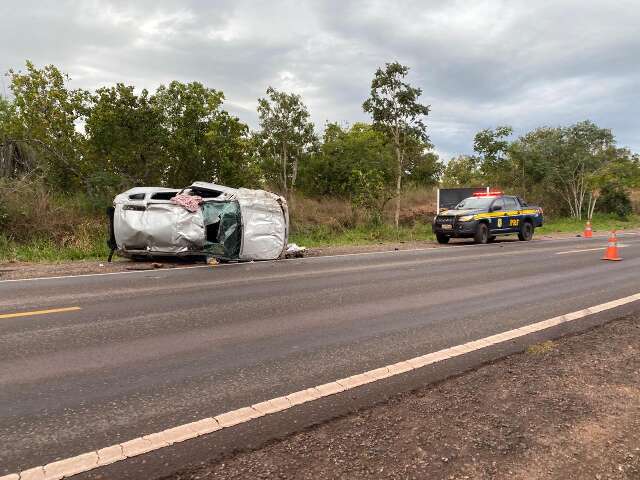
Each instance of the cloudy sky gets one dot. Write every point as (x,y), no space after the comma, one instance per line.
(479,63)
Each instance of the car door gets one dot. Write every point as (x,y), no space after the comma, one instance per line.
(499,220)
(512,214)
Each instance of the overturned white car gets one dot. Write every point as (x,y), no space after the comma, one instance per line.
(203,219)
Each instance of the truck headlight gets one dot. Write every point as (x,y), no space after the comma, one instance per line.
(465,218)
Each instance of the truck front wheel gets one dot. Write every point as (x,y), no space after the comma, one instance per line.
(442,238)
(482,233)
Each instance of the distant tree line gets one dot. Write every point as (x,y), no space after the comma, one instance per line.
(572,170)
(104,141)
(116,137)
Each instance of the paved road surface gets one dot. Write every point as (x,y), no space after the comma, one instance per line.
(151,350)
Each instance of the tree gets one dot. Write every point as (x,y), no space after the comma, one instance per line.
(126,137)
(188,110)
(610,182)
(421,166)
(286,136)
(587,151)
(569,162)
(47,114)
(230,153)
(16,158)
(359,148)
(395,109)
(462,171)
(173,137)
(492,147)
(615,199)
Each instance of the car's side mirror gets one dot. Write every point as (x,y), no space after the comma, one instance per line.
(495,208)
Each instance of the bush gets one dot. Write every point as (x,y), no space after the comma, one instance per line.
(4,215)
(29,210)
(615,199)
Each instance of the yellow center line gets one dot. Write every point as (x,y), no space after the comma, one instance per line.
(39,312)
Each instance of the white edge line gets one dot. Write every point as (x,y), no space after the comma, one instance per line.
(580,251)
(317,257)
(140,445)
(589,249)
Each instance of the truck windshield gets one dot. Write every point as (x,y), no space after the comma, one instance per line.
(475,202)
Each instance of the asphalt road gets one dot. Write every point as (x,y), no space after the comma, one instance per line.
(151,350)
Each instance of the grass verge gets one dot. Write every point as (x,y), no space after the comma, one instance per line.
(87,244)
(47,250)
(321,236)
(600,222)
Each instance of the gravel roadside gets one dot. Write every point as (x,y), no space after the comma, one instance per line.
(568,409)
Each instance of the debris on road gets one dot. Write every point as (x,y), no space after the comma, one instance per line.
(294,251)
(203,219)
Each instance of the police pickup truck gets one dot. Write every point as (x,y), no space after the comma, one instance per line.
(486,215)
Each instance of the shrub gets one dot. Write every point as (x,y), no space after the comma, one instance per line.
(615,199)
(4,215)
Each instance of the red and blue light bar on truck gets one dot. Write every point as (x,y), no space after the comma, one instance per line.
(487,194)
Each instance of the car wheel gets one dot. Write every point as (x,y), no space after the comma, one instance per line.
(526,232)
(482,233)
(442,238)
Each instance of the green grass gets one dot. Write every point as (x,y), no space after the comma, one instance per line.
(44,250)
(366,235)
(361,235)
(599,223)
(93,247)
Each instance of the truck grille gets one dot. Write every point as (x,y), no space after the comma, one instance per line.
(445,220)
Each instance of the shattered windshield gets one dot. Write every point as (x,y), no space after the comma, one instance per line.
(222,228)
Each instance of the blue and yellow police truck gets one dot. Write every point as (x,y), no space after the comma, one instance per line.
(486,215)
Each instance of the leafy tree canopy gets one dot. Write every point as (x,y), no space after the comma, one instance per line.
(395,108)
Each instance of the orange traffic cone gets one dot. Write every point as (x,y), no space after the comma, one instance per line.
(588,232)
(612,248)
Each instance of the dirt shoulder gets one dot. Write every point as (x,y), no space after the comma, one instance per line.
(18,270)
(568,410)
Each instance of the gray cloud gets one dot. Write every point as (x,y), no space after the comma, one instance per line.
(479,63)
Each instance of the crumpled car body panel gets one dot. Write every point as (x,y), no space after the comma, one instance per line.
(144,226)
(264,225)
(159,228)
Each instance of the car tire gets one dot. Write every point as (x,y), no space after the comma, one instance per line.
(526,231)
(442,238)
(482,233)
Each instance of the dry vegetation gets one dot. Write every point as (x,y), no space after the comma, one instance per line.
(337,215)
(36,224)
